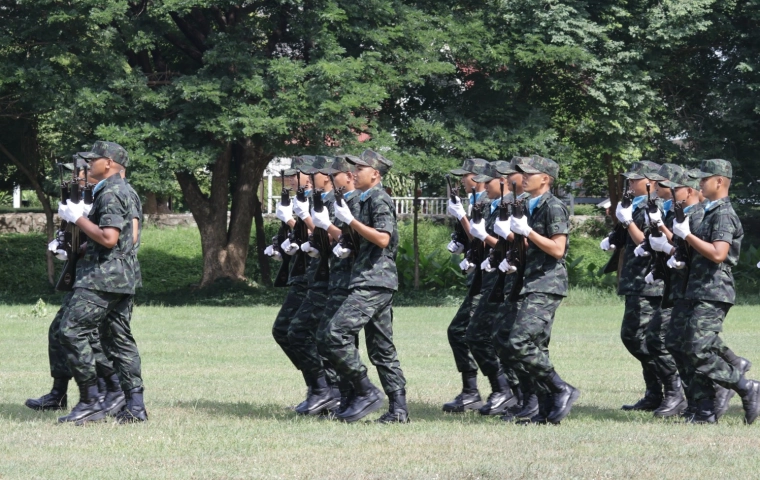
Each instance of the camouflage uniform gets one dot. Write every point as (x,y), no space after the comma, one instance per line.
(374,279)
(642,300)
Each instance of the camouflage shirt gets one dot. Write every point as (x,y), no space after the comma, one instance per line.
(635,269)
(709,280)
(544,273)
(110,269)
(680,277)
(329,200)
(136,213)
(375,266)
(340,268)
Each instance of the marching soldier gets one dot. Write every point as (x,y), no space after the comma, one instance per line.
(374,279)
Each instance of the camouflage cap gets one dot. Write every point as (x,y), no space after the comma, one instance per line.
(642,169)
(511,166)
(372,159)
(490,172)
(665,172)
(471,165)
(298,164)
(536,164)
(341,163)
(713,167)
(677,177)
(320,161)
(101,149)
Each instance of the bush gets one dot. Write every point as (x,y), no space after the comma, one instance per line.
(439,269)
(587,209)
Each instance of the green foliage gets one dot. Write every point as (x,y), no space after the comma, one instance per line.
(438,268)
(590,210)
(584,262)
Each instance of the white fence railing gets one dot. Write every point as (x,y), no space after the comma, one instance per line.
(428,205)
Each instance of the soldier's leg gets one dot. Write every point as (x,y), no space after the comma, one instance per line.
(639,311)
(335,299)
(517,377)
(293,300)
(676,344)
(469,398)
(673,401)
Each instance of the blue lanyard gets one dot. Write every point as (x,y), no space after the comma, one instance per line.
(101,184)
(638,201)
(532,203)
(667,204)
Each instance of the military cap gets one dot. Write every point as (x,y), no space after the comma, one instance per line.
(340,164)
(713,167)
(536,164)
(101,149)
(374,160)
(642,169)
(679,178)
(471,165)
(511,166)
(491,172)
(665,172)
(320,161)
(298,164)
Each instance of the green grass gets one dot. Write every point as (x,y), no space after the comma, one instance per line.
(218,388)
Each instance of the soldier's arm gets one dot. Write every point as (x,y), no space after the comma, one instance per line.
(636,234)
(554,245)
(384,224)
(106,236)
(491,241)
(135,230)
(716,251)
(334,232)
(381,239)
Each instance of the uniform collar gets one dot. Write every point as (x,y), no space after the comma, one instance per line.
(535,202)
(350,195)
(667,205)
(364,195)
(711,205)
(102,184)
(639,201)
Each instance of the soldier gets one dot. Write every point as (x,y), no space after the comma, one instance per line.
(374,279)
(545,229)
(469,398)
(641,299)
(716,245)
(342,258)
(105,283)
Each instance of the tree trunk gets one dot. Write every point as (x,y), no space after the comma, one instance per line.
(150,207)
(225,246)
(415,239)
(613,184)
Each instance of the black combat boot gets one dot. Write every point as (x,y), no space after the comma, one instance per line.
(545,403)
(510,414)
(723,398)
(501,397)
(530,405)
(320,397)
(134,411)
(102,389)
(89,409)
(367,399)
(114,399)
(469,399)
(651,401)
(703,412)
(563,396)
(55,400)
(749,391)
(690,410)
(673,402)
(397,411)
(299,408)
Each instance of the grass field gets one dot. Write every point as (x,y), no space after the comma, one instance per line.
(218,388)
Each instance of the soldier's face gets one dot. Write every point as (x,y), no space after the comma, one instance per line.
(663,192)
(493,189)
(322,181)
(639,186)
(305,181)
(517,179)
(365,177)
(710,187)
(683,194)
(533,182)
(99,167)
(467,182)
(344,180)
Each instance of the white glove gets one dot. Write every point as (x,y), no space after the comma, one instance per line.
(624,214)
(655,218)
(520,225)
(649,278)
(485,265)
(660,244)
(455,247)
(758,264)
(682,229)
(478,230)
(289,248)
(301,209)
(606,245)
(341,252)
(456,209)
(309,250)
(466,266)
(343,213)
(59,253)
(86,209)
(321,219)
(639,251)
(53,245)
(270,251)
(501,227)
(284,213)
(673,263)
(71,212)
(505,267)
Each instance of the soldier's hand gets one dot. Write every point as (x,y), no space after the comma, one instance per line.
(641,251)
(758,264)
(456,209)
(520,225)
(624,214)
(270,251)
(289,248)
(606,245)
(673,263)
(71,212)
(309,250)
(341,252)
(455,247)
(284,213)
(501,227)
(485,265)
(649,278)
(505,267)
(681,229)
(466,266)
(301,208)
(321,219)
(654,218)
(478,230)
(343,213)
(86,209)
(660,244)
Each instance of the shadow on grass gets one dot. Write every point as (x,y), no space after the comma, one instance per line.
(18,412)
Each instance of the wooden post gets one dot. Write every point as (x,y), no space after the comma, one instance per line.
(417,193)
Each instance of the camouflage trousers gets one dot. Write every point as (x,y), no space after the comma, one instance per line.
(59,367)
(335,299)
(371,309)
(302,335)
(457,332)
(706,349)
(293,301)
(639,312)
(528,342)
(88,311)
(505,320)
(655,343)
(479,333)
(677,343)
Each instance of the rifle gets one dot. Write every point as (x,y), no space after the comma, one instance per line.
(349,239)
(299,235)
(477,249)
(516,254)
(281,280)
(659,264)
(319,238)
(72,236)
(458,235)
(499,252)
(682,250)
(618,235)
